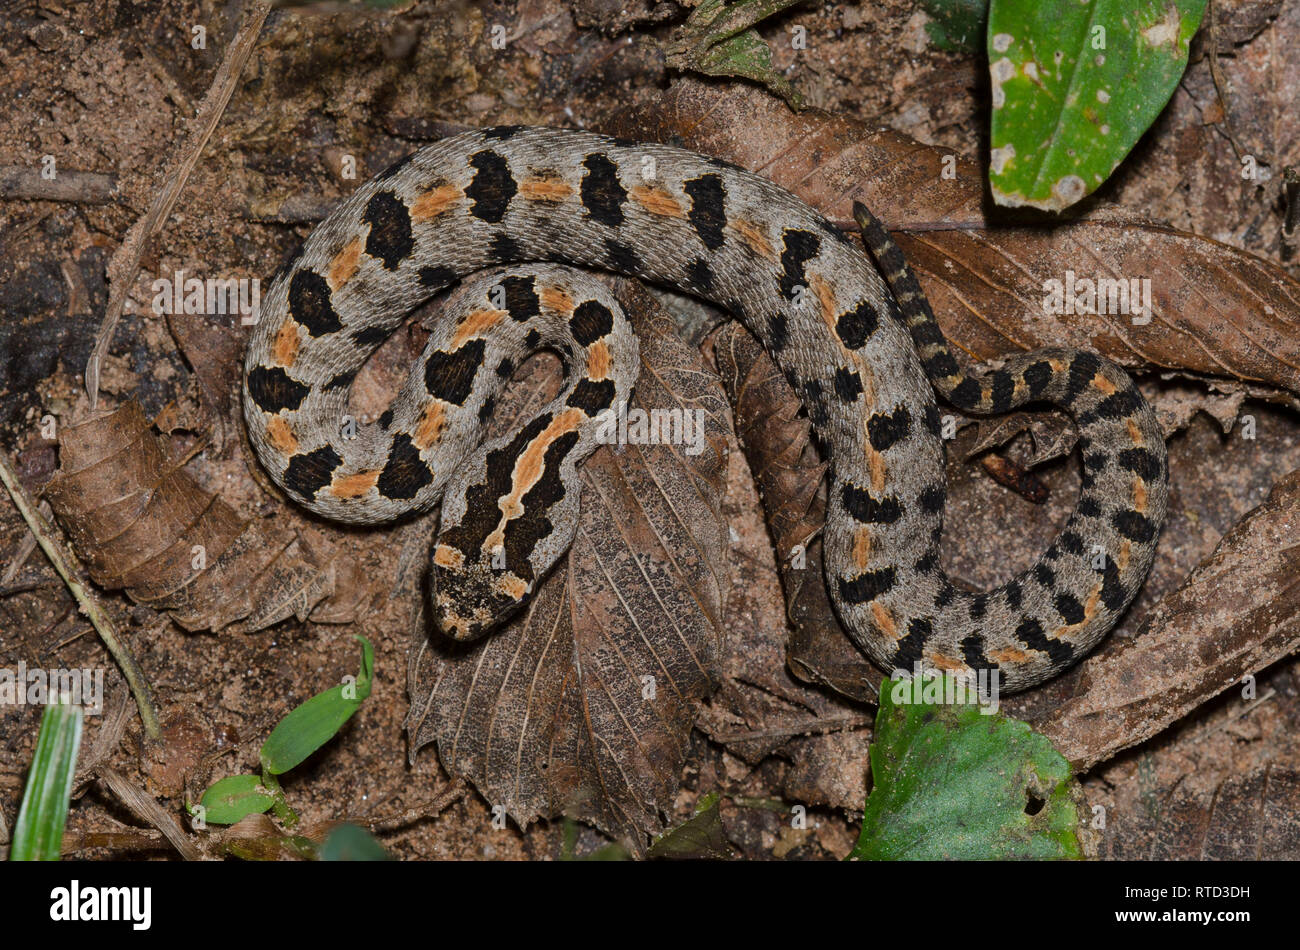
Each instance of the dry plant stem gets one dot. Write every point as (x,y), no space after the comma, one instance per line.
(430,809)
(1291,189)
(62,559)
(148,810)
(24,183)
(806,727)
(126,261)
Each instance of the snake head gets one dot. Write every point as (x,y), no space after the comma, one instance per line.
(471,599)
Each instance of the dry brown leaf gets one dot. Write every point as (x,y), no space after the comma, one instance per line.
(1052,433)
(1237,612)
(1249,817)
(584,705)
(1216,310)
(139,522)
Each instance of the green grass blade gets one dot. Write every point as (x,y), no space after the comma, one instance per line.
(38,833)
(1075,84)
(315,722)
(950,782)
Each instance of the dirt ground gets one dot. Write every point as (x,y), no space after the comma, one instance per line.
(111,87)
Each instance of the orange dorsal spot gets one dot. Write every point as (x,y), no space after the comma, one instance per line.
(753,238)
(1125,551)
(545,189)
(430,426)
(281,436)
(876,465)
(557,300)
(354,486)
(449,557)
(345,264)
(868,379)
(435,202)
(476,324)
(1090,608)
(657,201)
(1103,385)
(513,587)
(284,348)
(598,360)
(528,471)
(1139,496)
(1057,365)
(884,620)
(946,663)
(1134,432)
(826,305)
(1008,655)
(861,547)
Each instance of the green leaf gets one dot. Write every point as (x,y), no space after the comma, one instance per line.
(717,40)
(950,782)
(349,842)
(1075,84)
(700,836)
(956,25)
(229,799)
(315,722)
(38,833)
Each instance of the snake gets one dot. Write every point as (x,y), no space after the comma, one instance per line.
(516,218)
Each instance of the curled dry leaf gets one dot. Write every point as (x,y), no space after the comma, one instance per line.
(140,523)
(1214,309)
(584,704)
(1237,612)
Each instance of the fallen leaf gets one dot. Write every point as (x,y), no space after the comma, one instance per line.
(584,705)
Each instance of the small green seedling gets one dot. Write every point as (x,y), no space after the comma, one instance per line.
(299,734)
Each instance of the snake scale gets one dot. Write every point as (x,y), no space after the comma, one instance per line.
(861,351)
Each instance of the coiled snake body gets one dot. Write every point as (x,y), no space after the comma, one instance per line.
(861,359)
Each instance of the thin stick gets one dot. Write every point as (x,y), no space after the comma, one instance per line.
(125,263)
(61,558)
(807,727)
(25,183)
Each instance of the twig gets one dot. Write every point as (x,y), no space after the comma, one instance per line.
(125,263)
(25,183)
(1291,192)
(61,558)
(148,810)
(115,841)
(25,548)
(429,809)
(807,727)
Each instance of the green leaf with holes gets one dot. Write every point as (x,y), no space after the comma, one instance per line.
(956,780)
(311,725)
(1075,84)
